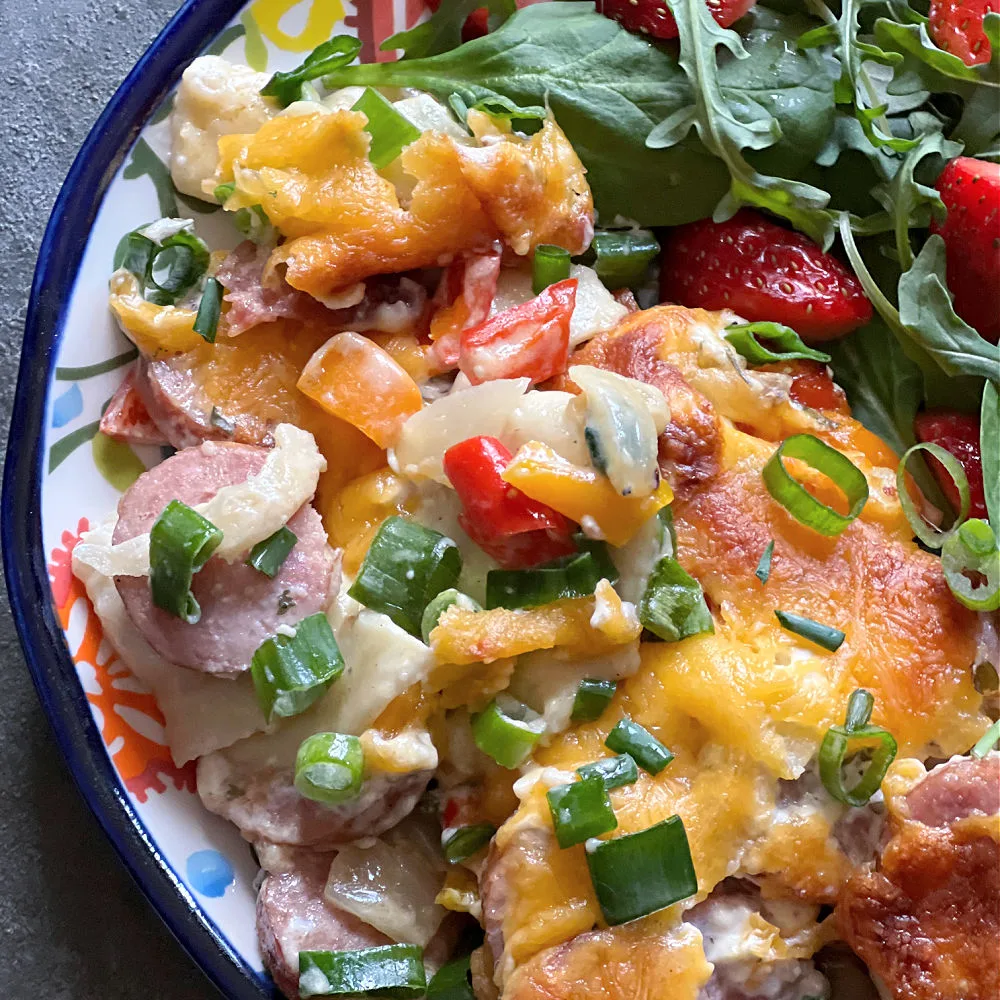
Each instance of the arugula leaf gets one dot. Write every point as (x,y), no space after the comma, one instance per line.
(855,87)
(286,87)
(927,315)
(442,31)
(607,88)
(726,129)
(989,446)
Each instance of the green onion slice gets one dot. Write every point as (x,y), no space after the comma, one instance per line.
(268,556)
(549,265)
(507,731)
(673,606)
(827,636)
(223,192)
(856,734)
(167,268)
(580,810)
(406,567)
(745,339)
(798,501)
(218,419)
(927,533)
(624,256)
(389,130)
(988,742)
(576,576)
(329,767)
(971,563)
(592,697)
(763,570)
(498,106)
(466,840)
(286,87)
(391,970)
(206,323)
(135,253)
(181,541)
(290,672)
(613,771)
(602,556)
(640,744)
(640,873)
(452,982)
(437,607)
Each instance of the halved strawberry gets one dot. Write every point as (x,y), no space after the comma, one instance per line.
(653,17)
(959,434)
(970,190)
(763,272)
(957,27)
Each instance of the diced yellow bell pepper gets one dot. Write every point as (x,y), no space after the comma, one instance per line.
(542,474)
(471,684)
(584,625)
(356,511)
(153,329)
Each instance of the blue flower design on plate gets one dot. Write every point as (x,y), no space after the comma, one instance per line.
(67,407)
(210,873)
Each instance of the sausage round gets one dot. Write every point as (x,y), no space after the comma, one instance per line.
(240,607)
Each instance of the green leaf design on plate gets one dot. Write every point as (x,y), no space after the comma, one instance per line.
(65,446)
(89,371)
(145,163)
(253,45)
(116,461)
(226,39)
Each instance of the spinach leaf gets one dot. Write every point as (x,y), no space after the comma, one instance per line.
(855,86)
(727,127)
(286,87)
(608,88)
(442,31)
(926,314)
(989,446)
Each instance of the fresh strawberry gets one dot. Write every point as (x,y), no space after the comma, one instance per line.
(652,17)
(957,27)
(970,190)
(763,272)
(959,434)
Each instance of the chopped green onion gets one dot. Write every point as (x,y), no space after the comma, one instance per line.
(580,810)
(206,323)
(599,550)
(391,970)
(507,731)
(592,697)
(576,576)
(971,563)
(286,87)
(613,771)
(218,419)
(181,541)
(466,841)
(744,338)
(452,982)
(549,265)
(668,532)
(798,501)
(134,253)
(624,256)
(268,556)
(502,107)
(329,767)
(290,672)
(823,635)
(640,873)
(858,734)
(389,130)
(640,744)
(673,606)
(763,570)
(177,266)
(927,533)
(223,192)
(406,567)
(437,607)
(460,109)
(988,742)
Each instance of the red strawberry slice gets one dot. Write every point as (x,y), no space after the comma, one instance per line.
(970,190)
(763,272)
(653,17)
(959,434)
(957,27)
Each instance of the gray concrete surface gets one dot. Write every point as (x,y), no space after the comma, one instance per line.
(73,925)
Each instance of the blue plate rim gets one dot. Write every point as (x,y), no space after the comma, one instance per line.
(24,559)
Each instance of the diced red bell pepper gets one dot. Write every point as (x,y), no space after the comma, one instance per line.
(463,299)
(531,339)
(957,433)
(515,530)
